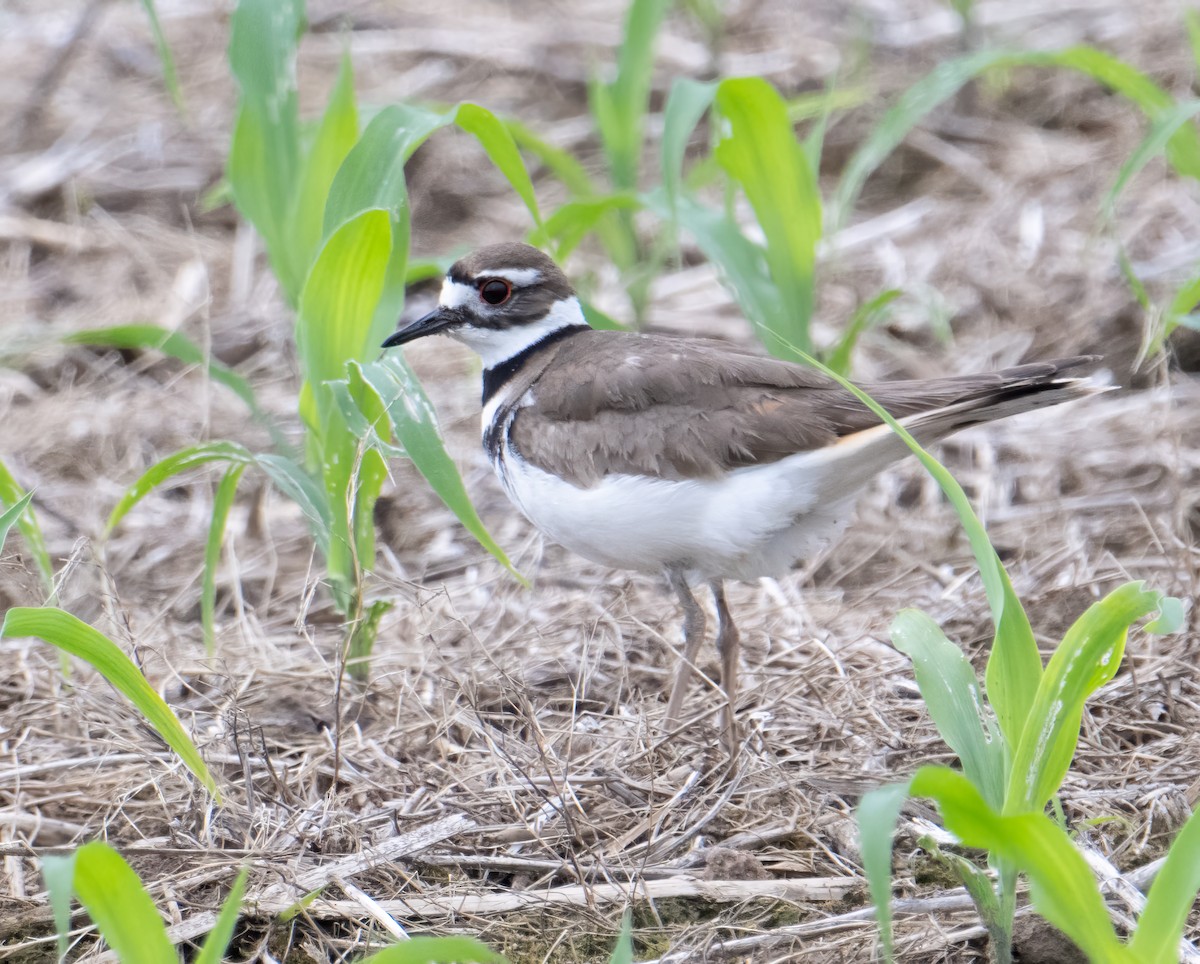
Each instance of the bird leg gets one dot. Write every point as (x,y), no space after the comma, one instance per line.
(693,635)
(728,644)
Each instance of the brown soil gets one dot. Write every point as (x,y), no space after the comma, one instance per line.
(524,726)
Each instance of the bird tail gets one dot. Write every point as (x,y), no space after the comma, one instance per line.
(858,456)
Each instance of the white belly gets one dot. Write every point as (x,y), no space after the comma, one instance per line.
(756,521)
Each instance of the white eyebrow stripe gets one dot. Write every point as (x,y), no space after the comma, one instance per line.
(455,294)
(517,277)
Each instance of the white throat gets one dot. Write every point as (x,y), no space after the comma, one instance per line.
(497,345)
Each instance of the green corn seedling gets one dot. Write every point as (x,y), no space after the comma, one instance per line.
(1016,745)
(332,210)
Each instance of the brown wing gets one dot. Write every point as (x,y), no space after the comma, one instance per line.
(683,409)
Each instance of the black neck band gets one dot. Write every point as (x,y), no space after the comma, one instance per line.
(495,377)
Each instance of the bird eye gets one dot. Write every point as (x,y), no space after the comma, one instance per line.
(495,292)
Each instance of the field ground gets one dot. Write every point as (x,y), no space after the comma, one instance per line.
(505,772)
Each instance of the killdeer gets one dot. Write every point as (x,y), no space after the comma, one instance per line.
(682,455)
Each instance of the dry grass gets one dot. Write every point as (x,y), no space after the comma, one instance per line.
(505,772)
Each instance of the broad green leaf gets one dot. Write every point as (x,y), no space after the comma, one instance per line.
(437,950)
(497,141)
(865,317)
(1172,897)
(372,179)
(1086,659)
(761,154)
(878,812)
(264,158)
(1062,886)
(170,76)
(9,517)
(415,425)
(339,299)
(623,952)
(188,458)
(10,494)
(687,102)
(953,698)
(173,343)
(115,899)
(335,137)
(222,503)
(61,629)
(334,328)
(213,951)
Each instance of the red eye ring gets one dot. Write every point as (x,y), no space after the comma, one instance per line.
(494,291)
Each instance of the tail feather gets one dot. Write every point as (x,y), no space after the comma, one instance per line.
(860,455)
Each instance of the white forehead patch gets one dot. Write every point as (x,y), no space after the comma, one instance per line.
(456,295)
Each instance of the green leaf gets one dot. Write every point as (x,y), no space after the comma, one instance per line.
(980,888)
(878,812)
(1086,659)
(437,950)
(10,494)
(264,158)
(115,899)
(761,154)
(61,629)
(619,108)
(948,77)
(740,261)
(222,503)
(58,872)
(173,343)
(9,517)
(1062,886)
(953,698)
(1153,144)
(623,952)
(415,425)
(291,479)
(1171,617)
(334,328)
(1014,668)
(170,76)
(562,164)
(213,951)
(497,142)
(1171,899)
(572,221)
(339,298)
(335,137)
(181,461)
(867,316)
(687,102)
